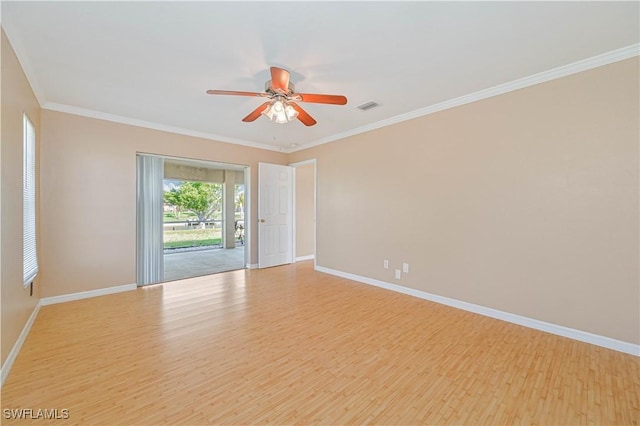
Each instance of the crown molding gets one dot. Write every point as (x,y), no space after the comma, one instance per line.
(23,59)
(155,126)
(542,77)
(41,97)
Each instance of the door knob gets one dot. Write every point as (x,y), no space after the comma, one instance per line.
(262,220)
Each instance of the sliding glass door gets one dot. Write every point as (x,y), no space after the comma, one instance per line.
(194,224)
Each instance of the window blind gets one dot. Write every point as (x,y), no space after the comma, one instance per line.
(30,256)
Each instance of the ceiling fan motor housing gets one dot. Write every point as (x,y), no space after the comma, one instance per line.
(269,88)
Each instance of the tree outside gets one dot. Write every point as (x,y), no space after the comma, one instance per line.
(239,198)
(200,202)
(199,198)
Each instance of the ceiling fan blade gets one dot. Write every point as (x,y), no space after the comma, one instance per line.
(303,116)
(256,113)
(280,79)
(321,99)
(236,93)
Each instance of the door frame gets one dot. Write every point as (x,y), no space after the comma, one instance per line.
(313,162)
(248,228)
(246,168)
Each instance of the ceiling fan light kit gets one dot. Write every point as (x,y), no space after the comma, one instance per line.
(280,111)
(281,92)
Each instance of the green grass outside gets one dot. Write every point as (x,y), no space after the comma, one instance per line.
(184,238)
(192,238)
(193,243)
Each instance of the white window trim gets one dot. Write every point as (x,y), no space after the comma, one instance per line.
(30,254)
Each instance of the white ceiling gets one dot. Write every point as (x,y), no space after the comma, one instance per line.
(151,62)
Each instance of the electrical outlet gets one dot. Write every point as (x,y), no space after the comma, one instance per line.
(398,274)
(405,268)
(386,264)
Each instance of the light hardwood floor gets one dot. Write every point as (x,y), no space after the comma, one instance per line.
(290,345)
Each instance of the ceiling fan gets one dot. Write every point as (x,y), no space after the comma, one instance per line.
(281,107)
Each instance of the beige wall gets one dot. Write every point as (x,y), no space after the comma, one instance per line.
(17,99)
(89,202)
(525,202)
(304,210)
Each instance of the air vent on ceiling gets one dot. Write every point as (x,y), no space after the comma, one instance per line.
(368,105)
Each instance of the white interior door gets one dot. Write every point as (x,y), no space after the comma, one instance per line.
(275,215)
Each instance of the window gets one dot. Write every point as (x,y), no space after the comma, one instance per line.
(30,257)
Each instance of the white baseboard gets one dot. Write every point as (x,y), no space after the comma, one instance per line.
(6,367)
(302,258)
(582,336)
(86,294)
(252,266)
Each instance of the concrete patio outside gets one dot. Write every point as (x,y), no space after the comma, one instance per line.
(188,264)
